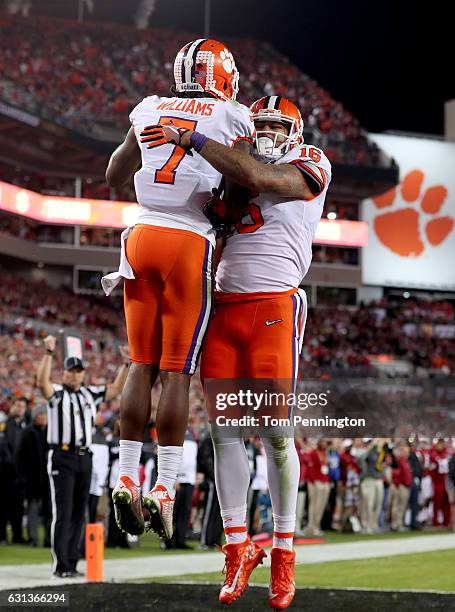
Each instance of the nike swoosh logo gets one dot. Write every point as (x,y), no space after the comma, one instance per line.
(272,595)
(231,588)
(273,322)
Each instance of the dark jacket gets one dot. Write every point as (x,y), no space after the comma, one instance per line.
(4,450)
(32,461)
(452,470)
(206,458)
(14,432)
(416,466)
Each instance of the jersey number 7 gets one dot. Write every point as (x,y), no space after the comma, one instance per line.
(166,174)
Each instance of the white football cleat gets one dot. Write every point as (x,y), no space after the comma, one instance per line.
(161,507)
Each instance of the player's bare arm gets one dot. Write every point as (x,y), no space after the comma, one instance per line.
(283,179)
(115,388)
(124,161)
(43,375)
(236,165)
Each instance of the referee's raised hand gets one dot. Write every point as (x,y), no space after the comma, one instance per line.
(124,352)
(49,343)
(43,375)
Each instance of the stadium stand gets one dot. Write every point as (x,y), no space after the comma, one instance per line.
(53,69)
(337,339)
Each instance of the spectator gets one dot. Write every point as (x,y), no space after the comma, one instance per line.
(115,537)
(451,488)
(334,477)
(100,468)
(303,448)
(349,488)
(32,460)
(417,473)
(372,485)
(318,488)
(11,480)
(186,480)
(389,463)
(254,450)
(260,501)
(439,469)
(400,487)
(212,525)
(4,461)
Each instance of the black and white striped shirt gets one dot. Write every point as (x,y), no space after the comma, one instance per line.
(71,414)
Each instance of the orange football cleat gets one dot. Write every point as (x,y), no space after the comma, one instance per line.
(241,559)
(282,580)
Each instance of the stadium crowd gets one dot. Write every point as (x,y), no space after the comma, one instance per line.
(360,485)
(91,75)
(337,338)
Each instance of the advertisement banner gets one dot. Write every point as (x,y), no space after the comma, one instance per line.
(107,213)
(411,227)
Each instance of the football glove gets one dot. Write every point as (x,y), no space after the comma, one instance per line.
(157,135)
(215,210)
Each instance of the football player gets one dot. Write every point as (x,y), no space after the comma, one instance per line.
(258,324)
(165,262)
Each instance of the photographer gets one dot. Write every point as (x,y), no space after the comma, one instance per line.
(71,408)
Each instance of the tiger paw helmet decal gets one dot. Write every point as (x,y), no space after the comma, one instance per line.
(228,60)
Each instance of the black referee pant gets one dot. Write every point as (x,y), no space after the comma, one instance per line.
(182,512)
(69,477)
(212,523)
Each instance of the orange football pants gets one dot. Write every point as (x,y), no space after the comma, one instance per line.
(254,335)
(167,305)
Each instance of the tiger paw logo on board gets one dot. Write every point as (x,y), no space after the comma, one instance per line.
(413,223)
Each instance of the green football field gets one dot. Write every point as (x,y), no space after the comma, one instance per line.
(149,545)
(426,571)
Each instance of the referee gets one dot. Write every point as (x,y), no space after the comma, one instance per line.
(71,408)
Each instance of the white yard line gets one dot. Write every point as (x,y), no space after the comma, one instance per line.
(137,568)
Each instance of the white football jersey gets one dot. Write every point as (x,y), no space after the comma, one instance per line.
(172,187)
(270,250)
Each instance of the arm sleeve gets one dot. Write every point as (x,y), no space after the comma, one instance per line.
(315,175)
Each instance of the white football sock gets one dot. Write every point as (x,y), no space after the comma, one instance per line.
(129,458)
(232,479)
(283,531)
(234,524)
(169,460)
(283,472)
